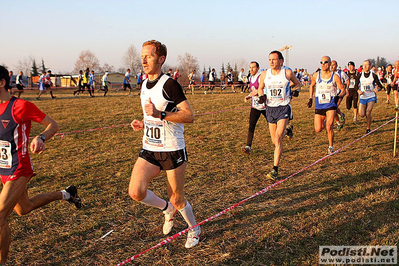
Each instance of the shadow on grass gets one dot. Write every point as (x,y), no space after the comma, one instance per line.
(356,227)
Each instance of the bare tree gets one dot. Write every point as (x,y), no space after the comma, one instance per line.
(107,67)
(242,63)
(131,59)
(24,65)
(166,67)
(87,59)
(187,63)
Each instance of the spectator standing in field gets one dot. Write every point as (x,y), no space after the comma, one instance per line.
(126,82)
(48,83)
(211,79)
(80,84)
(222,81)
(368,83)
(41,85)
(20,84)
(104,81)
(202,80)
(170,72)
(12,81)
(191,81)
(176,74)
(326,84)
(230,79)
(139,78)
(15,165)
(352,96)
(86,81)
(165,109)
(241,79)
(389,79)
(92,83)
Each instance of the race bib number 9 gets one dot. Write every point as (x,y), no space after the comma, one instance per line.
(324,96)
(5,154)
(154,133)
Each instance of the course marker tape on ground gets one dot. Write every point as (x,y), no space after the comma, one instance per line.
(62,134)
(169,239)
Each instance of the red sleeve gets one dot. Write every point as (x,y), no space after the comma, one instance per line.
(26,111)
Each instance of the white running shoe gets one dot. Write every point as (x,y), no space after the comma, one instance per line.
(167,226)
(193,237)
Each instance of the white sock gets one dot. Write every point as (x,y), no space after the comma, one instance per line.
(65,195)
(170,207)
(188,215)
(153,200)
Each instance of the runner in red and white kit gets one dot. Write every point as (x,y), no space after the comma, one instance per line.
(165,109)
(257,109)
(15,164)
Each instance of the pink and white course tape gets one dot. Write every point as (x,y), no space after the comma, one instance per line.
(169,239)
(62,134)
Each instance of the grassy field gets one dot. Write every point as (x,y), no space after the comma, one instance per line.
(349,199)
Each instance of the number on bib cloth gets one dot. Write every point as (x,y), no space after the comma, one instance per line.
(352,84)
(367,88)
(154,133)
(324,96)
(275,94)
(5,154)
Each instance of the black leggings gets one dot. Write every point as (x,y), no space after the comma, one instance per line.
(352,97)
(253,119)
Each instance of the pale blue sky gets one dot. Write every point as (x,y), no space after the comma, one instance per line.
(213,31)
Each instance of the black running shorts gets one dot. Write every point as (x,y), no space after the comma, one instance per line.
(165,160)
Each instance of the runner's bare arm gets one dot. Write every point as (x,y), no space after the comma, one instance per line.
(291,76)
(137,124)
(37,144)
(312,85)
(340,86)
(261,83)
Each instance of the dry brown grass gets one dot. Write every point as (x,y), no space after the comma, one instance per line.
(349,199)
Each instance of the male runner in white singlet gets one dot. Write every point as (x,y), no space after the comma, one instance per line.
(275,85)
(165,109)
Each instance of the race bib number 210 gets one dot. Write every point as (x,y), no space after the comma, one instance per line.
(154,133)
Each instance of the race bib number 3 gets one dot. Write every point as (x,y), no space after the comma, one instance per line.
(5,154)
(154,133)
